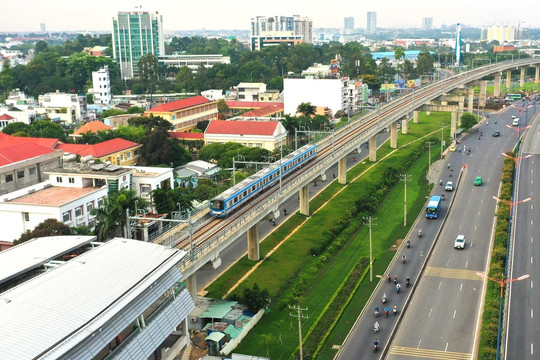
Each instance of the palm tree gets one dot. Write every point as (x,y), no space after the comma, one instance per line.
(306,109)
(290,124)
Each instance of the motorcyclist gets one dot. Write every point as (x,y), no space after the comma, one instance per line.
(394,309)
(376,326)
(377,312)
(284,211)
(384,298)
(408,282)
(386,311)
(403,259)
(408,243)
(376,345)
(442,196)
(420,233)
(389,278)
(395,279)
(398,287)
(440,182)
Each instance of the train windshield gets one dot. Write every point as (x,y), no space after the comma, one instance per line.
(216,204)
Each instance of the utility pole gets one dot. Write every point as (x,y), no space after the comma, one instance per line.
(443,124)
(299,316)
(369,222)
(429,144)
(405,178)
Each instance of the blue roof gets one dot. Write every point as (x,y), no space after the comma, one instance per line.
(409,54)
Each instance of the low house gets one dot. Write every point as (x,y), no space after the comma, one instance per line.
(268,135)
(92,127)
(115,151)
(185,114)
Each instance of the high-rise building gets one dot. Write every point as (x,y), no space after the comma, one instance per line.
(503,33)
(135,34)
(303,26)
(42,27)
(264,24)
(348,26)
(371,22)
(457,49)
(427,23)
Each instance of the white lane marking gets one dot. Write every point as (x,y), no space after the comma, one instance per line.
(531,260)
(531,240)
(532,315)
(440,283)
(446,347)
(418,347)
(460,286)
(430,310)
(474,227)
(453,317)
(531,221)
(467,263)
(532,284)
(532,207)
(532,352)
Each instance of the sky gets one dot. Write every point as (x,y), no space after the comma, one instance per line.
(96,15)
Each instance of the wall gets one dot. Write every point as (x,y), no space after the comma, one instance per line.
(319,92)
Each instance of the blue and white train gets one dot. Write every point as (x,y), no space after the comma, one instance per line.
(233,198)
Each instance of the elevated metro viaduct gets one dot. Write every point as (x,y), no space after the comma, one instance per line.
(212,237)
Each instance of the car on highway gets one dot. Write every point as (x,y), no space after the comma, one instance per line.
(452,148)
(478,181)
(515,122)
(449,186)
(514,117)
(496,133)
(460,242)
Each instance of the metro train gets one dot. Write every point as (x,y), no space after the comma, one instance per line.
(233,198)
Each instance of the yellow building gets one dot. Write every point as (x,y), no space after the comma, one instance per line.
(117,151)
(185,114)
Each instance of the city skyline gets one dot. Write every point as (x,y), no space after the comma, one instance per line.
(60,15)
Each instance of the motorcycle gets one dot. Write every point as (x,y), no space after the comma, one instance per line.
(384,298)
(377,312)
(442,197)
(395,279)
(408,282)
(375,346)
(376,327)
(420,233)
(403,259)
(408,244)
(398,287)
(386,311)
(394,310)
(389,278)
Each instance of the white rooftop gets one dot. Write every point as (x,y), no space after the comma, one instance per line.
(51,313)
(36,252)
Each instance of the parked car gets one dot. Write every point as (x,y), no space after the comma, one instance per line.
(478,181)
(460,242)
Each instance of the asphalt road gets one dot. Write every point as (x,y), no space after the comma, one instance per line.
(522,338)
(441,320)
(239,248)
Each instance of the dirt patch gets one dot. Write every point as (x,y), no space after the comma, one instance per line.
(196,352)
(395,246)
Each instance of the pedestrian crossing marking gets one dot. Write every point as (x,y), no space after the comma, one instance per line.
(429,354)
(452,273)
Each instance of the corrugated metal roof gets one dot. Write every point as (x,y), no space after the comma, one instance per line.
(218,309)
(36,252)
(54,312)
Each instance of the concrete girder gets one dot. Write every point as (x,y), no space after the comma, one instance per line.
(373,148)
(508,79)
(253,243)
(522,76)
(435,107)
(342,170)
(304,200)
(497,85)
(393,135)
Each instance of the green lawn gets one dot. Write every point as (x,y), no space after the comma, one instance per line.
(293,257)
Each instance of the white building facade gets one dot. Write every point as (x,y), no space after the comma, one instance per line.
(319,92)
(69,108)
(101,89)
(250,91)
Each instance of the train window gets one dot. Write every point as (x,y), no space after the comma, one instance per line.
(236,199)
(244,194)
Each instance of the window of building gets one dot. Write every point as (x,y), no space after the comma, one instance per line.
(71,180)
(145,188)
(59,179)
(20,174)
(26,216)
(79,212)
(89,207)
(66,217)
(32,171)
(121,156)
(128,155)
(9,178)
(100,203)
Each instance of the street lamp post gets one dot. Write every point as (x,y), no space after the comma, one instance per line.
(511,203)
(518,128)
(517,158)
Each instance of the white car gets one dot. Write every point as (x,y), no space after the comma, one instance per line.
(460,242)
(449,186)
(514,117)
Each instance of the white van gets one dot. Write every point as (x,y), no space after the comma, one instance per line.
(515,122)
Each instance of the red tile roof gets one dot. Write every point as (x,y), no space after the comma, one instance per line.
(8,140)
(250,104)
(265,111)
(98,150)
(6,117)
(179,104)
(20,152)
(186,135)
(92,126)
(242,127)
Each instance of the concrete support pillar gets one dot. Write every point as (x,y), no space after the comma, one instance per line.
(373,148)
(191,286)
(453,124)
(393,135)
(522,77)
(304,200)
(253,243)
(508,79)
(470,105)
(461,107)
(497,85)
(342,170)
(537,74)
(405,125)
(483,93)
(416,114)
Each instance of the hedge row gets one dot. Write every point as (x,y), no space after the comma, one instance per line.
(488,337)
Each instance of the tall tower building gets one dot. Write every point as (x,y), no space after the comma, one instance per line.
(427,23)
(42,27)
(136,33)
(457,50)
(371,22)
(265,24)
(348,26)
(304,26)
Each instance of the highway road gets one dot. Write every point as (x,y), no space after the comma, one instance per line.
(522,337)
(441,318)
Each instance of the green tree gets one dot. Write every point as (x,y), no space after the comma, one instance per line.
(223,109)
(406,69)
(6,79)
(424,64)
(148,73)
(17,127)
(184,79)
(385,71)
(306,109)
(372,81)
(156,149)
(41,46)
(468,120)
(255,298)
(399,53)
(290,123)
(47,129)
(135,110)
(49,227)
